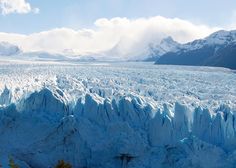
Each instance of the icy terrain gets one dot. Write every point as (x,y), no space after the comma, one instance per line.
(106,115)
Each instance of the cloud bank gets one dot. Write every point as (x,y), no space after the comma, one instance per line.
(16,6)
(116,37)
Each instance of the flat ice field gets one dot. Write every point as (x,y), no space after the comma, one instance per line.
(129,114)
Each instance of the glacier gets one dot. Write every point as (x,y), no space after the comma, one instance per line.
(117,115)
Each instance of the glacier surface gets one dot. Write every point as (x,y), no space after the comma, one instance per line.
(117,115)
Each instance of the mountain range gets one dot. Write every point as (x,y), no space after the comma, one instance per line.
(166,45)
(218,49)
(7,49)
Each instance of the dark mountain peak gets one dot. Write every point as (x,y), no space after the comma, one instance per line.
(167,44)
(167,39)
(218,49)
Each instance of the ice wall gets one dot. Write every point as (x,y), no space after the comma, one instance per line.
(44,127)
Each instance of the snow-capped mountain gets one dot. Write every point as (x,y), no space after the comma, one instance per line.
(47,56)
(7,49)
(218,49)
(15,53)
(40,55)
(166,45)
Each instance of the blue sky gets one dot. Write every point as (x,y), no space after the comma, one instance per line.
(121,28)
(78,14)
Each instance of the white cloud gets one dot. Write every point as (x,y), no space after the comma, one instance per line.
(121,36)
(16,6)
(232,20)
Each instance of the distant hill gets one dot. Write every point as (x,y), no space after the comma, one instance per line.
(7,49)
(218,49)
(10,51)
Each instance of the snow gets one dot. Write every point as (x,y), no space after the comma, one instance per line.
(12,52)
(221,37)
(218,38)
(166,45)
(168,50)
(7,49)
(113,114)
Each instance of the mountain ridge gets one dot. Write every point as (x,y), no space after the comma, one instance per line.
(166,45)
(7,49)
(218,49)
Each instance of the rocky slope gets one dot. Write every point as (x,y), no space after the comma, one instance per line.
(218,49)
(166,45)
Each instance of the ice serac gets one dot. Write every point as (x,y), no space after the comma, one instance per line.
(5,97)
(42,128)
(160,130)
(182,121)
(217,128)
(45,103)
(166,129)
(202,121)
